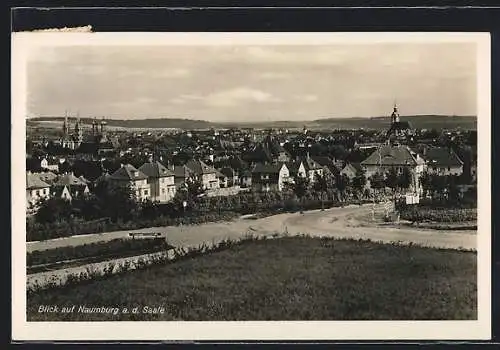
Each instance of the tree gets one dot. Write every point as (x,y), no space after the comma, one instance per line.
(404,179)
(301,187)
(391,179)
(321,185)
(342,182)
(438,185)
(359,182)
(52,210)
(452,188)
(377,181)
(118,201)
(426,181)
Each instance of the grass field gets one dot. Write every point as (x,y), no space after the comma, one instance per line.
(293,278)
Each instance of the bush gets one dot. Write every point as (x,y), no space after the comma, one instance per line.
(424,214)
(113,248)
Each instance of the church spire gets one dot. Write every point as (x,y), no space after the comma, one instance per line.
(395,113)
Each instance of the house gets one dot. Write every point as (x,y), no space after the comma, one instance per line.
(223,179)
(231,175)
(204,173)
(395,157)
(270,177)
(61,192)
(74,185)
(351,170)
(296,169)
(313,169)
(161,181)
(182,174)
(49,164)
(443,161)
(329,167)
(137,180)
(36,189)
(246,179)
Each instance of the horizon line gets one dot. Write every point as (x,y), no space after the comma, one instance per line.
(244,121)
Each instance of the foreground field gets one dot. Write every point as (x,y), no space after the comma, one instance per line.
(295,278)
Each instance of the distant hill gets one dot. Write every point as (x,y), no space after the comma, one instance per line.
(418,121)
(159,123)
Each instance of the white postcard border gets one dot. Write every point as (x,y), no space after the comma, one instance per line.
(310,330)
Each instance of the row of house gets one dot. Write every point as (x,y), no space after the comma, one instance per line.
(157,182)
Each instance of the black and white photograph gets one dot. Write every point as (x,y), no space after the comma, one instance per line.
(247,179)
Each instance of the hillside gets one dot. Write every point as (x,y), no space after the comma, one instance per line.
(160,123)
(419,122)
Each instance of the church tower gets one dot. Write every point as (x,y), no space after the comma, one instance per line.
(395,114)
(65,124)
(78,131)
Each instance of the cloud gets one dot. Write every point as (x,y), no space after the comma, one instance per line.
(307,98)
(237,96)
(184,99)
(162,73)
(272,75)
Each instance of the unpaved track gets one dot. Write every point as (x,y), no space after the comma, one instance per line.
(335,222)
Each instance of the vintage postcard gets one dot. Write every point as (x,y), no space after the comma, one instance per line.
(243,186)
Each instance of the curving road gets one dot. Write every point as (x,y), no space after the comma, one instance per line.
(335,222)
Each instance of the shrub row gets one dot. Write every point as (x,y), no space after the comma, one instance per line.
(423,214)
(211,210)
(37,232)
(110,249)
(93,273)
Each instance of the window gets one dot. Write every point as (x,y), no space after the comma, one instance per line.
(145,192)
(163,191)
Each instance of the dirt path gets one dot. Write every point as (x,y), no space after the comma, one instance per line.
(336,222)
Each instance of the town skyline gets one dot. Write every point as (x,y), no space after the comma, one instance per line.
(253,83)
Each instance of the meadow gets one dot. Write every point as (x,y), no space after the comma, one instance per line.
(290,278)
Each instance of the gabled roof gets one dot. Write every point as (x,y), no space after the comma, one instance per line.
(328,163)
(34,182)
(390,155)
(47,176)
(199,167)
(57,191)
(442,156)
(293,166)
(182,171)
(70,180)
(356,167)
(128,173)
(227,171)
(310,164)
(104,177)
(155,170)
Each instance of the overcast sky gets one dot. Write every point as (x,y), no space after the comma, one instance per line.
(253,83)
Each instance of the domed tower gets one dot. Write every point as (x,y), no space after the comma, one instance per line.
(395,114)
